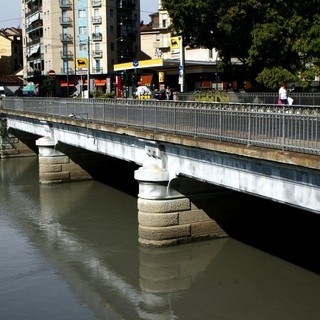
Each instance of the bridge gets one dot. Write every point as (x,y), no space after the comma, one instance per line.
(186,152)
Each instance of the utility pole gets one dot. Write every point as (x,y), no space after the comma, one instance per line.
(88,75)
(67,63)
(182,66)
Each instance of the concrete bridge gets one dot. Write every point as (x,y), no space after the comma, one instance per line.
(182,168)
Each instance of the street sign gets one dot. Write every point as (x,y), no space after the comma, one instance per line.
(82,63)
(135,63)
(52,73)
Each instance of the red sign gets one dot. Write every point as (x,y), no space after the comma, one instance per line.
(52,73)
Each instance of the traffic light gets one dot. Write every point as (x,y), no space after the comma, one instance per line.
(122,76)
(134,79)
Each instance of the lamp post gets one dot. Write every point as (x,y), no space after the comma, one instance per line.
(182,66)
(88,74)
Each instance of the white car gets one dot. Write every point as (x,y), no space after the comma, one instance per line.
(2,92)
(142,91)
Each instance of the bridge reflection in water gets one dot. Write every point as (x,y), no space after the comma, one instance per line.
(88,231)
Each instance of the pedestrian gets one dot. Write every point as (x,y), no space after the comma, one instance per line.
(283,93)
(18,92)
(168,93)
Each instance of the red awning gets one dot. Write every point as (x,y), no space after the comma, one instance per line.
(99,82)
(145,80)
(65,84)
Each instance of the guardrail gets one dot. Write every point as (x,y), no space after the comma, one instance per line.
(267,125)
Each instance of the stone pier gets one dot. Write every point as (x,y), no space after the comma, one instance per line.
(173,212)
(55,166)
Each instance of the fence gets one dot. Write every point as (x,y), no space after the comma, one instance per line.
(266,125)
(306,99)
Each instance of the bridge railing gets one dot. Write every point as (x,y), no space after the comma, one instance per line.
(295,128)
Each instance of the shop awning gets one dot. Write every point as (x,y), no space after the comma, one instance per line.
(65,84)
(145,80)
(99,82)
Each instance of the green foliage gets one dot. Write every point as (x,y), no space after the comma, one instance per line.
(273,39)
(272,78)
(100,95)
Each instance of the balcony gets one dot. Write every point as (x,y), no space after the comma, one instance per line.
(97,70)
(34,10)
(34,26)
(65,4)
(96,20)
(162,44)
(67,71)
(97,54)
(96,3)
(66,55)
(97,36)
(65,21)
(66,38)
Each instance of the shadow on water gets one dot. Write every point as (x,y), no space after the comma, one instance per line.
(286,232)
(283,231)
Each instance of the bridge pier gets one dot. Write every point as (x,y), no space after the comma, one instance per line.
(173,212)
(55,166)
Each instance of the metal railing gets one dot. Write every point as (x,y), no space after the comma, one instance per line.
(266,125)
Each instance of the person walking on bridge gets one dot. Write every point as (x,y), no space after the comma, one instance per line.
(283,93)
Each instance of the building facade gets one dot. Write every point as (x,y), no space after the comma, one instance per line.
(72,45)
(200,64)
(10,51)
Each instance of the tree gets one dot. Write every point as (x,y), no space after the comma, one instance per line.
(270,38)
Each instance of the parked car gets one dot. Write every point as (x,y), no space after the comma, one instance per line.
(142,92)
(160,94)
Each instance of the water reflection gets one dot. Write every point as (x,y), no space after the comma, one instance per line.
(88,232)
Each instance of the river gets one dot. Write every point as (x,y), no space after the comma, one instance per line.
(70,251)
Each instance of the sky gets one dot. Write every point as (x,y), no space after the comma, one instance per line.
(10,15)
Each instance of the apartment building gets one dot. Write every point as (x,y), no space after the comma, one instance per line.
(10,51)
(75,43)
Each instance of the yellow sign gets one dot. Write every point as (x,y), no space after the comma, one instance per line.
(142,64)
(161,77)
(174,43)
(82,63)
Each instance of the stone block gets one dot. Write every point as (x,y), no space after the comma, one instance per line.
(79,175)
(62,176)
(211,229)
(157,219)
(193,216)
(53,160)
(161,206)
(45,168)
(164,233)
(158,244)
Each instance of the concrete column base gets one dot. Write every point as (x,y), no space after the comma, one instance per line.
(56,167)
(167,217)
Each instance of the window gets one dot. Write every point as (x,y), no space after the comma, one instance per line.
(164,23)
(83,47)
(82,30)
(111,13)
(82,13)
